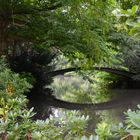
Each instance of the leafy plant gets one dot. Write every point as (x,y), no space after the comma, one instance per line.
(16,119)
(103,131)
(133,122)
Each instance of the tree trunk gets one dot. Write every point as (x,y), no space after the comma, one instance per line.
(3,37)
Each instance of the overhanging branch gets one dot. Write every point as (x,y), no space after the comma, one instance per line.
(37,10)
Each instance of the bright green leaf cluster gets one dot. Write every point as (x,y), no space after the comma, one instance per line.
(133,122)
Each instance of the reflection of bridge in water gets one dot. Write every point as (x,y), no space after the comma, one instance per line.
(127,97)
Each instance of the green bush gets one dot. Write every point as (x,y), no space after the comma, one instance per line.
(16,119)
(133,122)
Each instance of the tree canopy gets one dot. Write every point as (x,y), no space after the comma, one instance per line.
(93,36)
(78,28)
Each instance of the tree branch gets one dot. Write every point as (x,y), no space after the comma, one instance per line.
(37,10)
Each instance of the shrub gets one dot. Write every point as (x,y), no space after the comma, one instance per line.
(16,119)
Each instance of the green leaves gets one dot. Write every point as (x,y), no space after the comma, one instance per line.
(103,131)
(16,119)
(130,17)
(133,122)
(134,9)
(134,132)
(67,126)
(130,12)
(73,26)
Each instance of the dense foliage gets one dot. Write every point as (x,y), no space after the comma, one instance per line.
(75,28)
(99,39)
(16,120)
